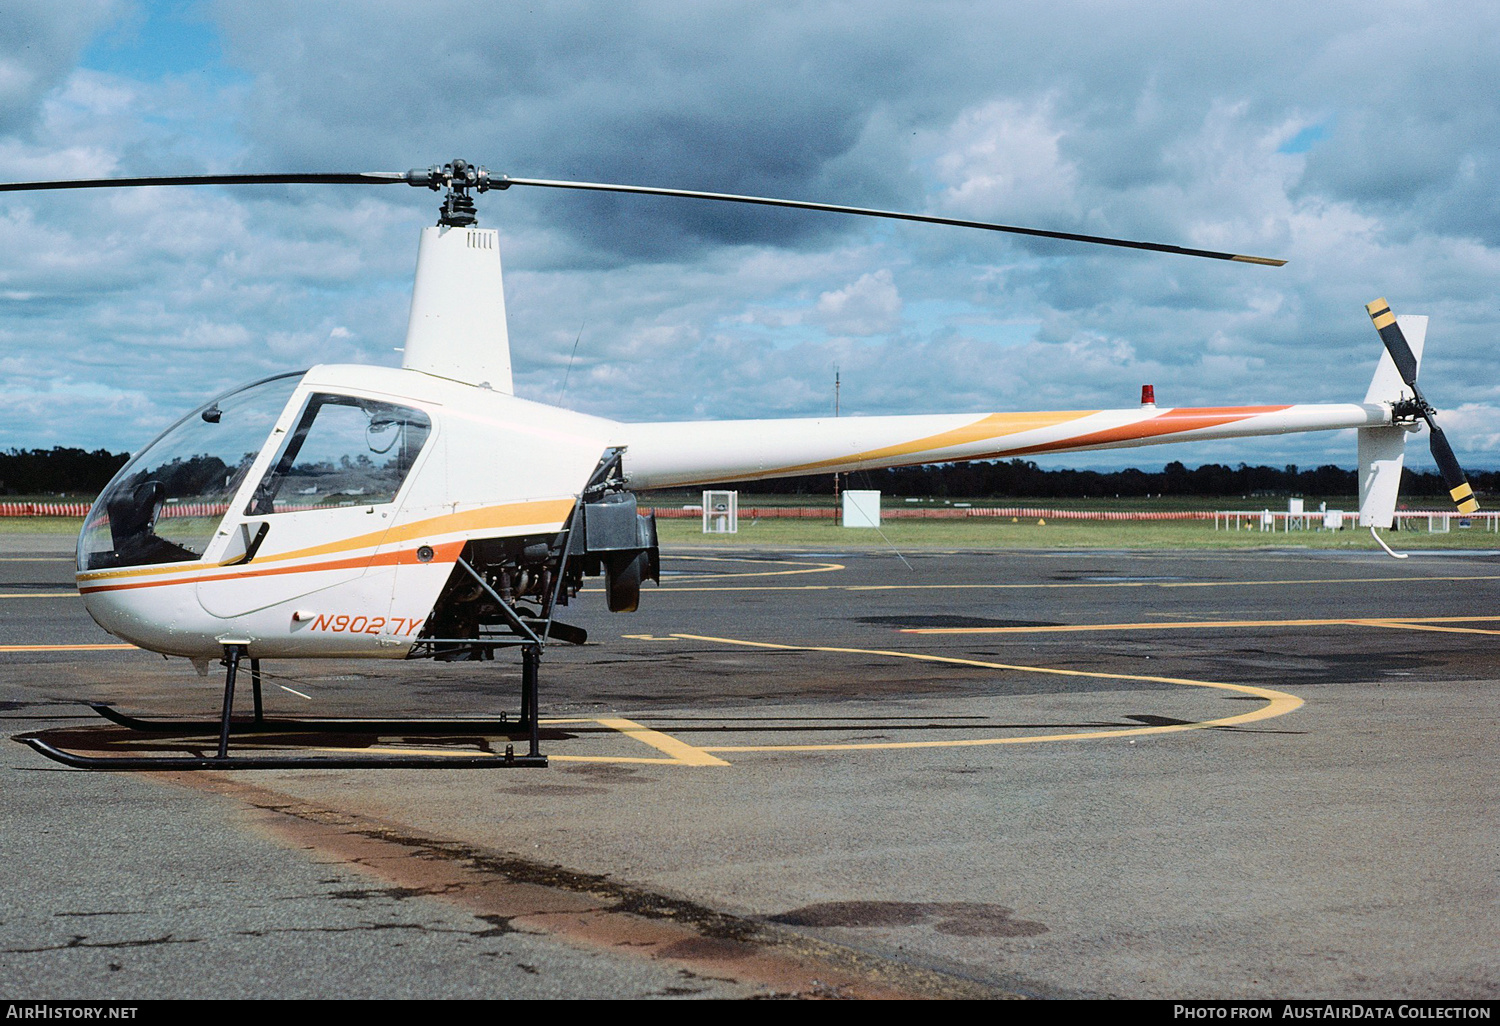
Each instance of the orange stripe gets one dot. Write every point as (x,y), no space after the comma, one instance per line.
(511,515)
(550,511)
(445,553)
(1168,423)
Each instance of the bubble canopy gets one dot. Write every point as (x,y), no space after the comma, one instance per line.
(163,505)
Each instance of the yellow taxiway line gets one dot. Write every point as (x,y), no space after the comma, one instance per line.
(804,567)
(1278,703)
(1083,584)
(67,648)
(1428,625)
(1415,622)
(679,753)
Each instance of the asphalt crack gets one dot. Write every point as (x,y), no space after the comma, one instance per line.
(80,940)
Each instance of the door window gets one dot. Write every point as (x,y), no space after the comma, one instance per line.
(344,451)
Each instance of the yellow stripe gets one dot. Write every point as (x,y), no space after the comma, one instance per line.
(1471,506)
(1462,492)
(1278,702)
(996,425)
(1267,261)
(1376,307)
(550,512)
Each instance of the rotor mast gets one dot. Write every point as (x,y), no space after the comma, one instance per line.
(457,328)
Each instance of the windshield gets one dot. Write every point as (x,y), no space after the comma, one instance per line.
(163,506)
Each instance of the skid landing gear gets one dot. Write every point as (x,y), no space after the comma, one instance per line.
(527,727)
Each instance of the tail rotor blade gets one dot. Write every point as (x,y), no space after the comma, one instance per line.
(1395,341)
(1406,410)
(1453,475)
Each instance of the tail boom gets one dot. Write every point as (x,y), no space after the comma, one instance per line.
(701,452)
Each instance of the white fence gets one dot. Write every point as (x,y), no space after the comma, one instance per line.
(1435,521)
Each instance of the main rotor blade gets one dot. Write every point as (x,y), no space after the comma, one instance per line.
(330,178)
(1395,341)
(425,178)
(503,182)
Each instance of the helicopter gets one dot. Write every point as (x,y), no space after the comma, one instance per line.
(426,511)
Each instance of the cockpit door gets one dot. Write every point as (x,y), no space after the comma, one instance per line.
(319,513)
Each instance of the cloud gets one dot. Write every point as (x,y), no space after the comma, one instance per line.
(1264,130)
(869,306)
(1000,162)
(39,43)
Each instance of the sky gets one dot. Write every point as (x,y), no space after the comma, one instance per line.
(1359,141)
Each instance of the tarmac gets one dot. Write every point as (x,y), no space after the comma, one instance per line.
(841,774)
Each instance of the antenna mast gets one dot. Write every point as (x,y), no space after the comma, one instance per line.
(838,514)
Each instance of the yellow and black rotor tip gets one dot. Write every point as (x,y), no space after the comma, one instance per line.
(1380,312)
(1463,495)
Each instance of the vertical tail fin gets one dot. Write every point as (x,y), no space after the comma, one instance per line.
(457,327)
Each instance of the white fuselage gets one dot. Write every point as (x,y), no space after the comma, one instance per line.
(360,580)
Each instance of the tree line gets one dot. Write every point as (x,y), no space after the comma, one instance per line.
(58,471)
(61,471)
(1020,479)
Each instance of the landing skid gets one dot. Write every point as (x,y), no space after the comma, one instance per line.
(528,727)
(237,762)
(341,726)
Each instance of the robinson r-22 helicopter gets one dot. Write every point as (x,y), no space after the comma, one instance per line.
(427,511)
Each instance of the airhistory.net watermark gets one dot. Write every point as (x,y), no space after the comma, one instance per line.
(53,1010)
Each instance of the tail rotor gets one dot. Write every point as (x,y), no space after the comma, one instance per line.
(1405,360)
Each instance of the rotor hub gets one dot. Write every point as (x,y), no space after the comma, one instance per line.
(1410,410)
(457,179)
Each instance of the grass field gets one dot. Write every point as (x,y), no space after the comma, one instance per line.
(748,501)
(998,533)
(985,533)
(41,525)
